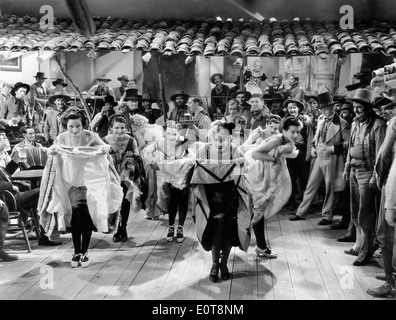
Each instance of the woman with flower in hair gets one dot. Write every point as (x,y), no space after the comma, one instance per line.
(222,209)
(80,185)
(173,164)
(129,165)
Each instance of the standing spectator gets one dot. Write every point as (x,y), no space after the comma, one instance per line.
(329,144)
(276,105)
(60,88)
(100,123)
(180,99)
(243,97)
(259,111)
(201,117)
(299,167)
(39,91)
(277,85)
(368,133)
(53,123)
(151,108)
(385,231)
(119,92)
(219,95)
(293,89)
(16,108)
(102,89)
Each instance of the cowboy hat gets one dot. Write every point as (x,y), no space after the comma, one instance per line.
(381,101)
(267,97)
(20,85)
(278,76)
(364,96)
(125,77)
(59,81)
(248,95)
(311,94)
(51,100)
(299,104)
(131,94)
(103,76)
(216,75)
(325,99)
(179,93)
(340,99)
(110,99)
(40,75)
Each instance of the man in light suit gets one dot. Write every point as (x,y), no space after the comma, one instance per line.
(329,143)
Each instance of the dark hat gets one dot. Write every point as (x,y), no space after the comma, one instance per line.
(103,76)
(325,99)
(110,99)
(20,85)
(216,75)
(311,94)
(125,77)
(277,97)
(59,81)
(132,94)
(340,99)
(247,94)
(179,93)
(147,96)
(381,101)
(299,104)
(267,97)
(40,75)
(347,106)
(391,97)
(278,76)
(51,100)
(364,96)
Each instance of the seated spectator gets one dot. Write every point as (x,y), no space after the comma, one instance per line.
(36,155)
(60,88)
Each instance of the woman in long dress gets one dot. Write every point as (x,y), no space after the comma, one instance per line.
(222,209)
(269,179)
(80,185)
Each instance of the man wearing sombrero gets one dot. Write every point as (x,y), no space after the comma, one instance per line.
(329,143)
(180,101)
(16,106)
(277,85)
(102,89)
(100,123)
(60,88)
(243,96)
(53,124)
(151,109)
(219,95)
(39,91)
(299,167)
(367,135)
(124,79)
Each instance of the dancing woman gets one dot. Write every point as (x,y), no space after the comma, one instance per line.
(222,209)
(173,164)
(80,185)
(269,179)
(129,165)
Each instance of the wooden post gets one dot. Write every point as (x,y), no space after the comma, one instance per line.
(161,86)
(337,78)
(241,72)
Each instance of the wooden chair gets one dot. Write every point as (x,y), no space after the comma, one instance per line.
(16,223)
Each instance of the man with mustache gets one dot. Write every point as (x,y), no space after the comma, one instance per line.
(367,135)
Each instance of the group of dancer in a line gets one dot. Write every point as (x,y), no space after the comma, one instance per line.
(87,181)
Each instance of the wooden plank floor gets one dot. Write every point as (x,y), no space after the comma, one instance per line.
(310,265)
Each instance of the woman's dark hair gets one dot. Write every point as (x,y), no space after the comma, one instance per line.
(289,122)
(74,113)
(117,118)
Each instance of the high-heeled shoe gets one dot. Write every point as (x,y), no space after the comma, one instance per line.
(214,272)
(225,274)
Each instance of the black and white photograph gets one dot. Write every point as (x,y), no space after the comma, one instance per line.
(211,152)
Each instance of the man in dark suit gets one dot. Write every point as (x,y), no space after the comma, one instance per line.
(329,143)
